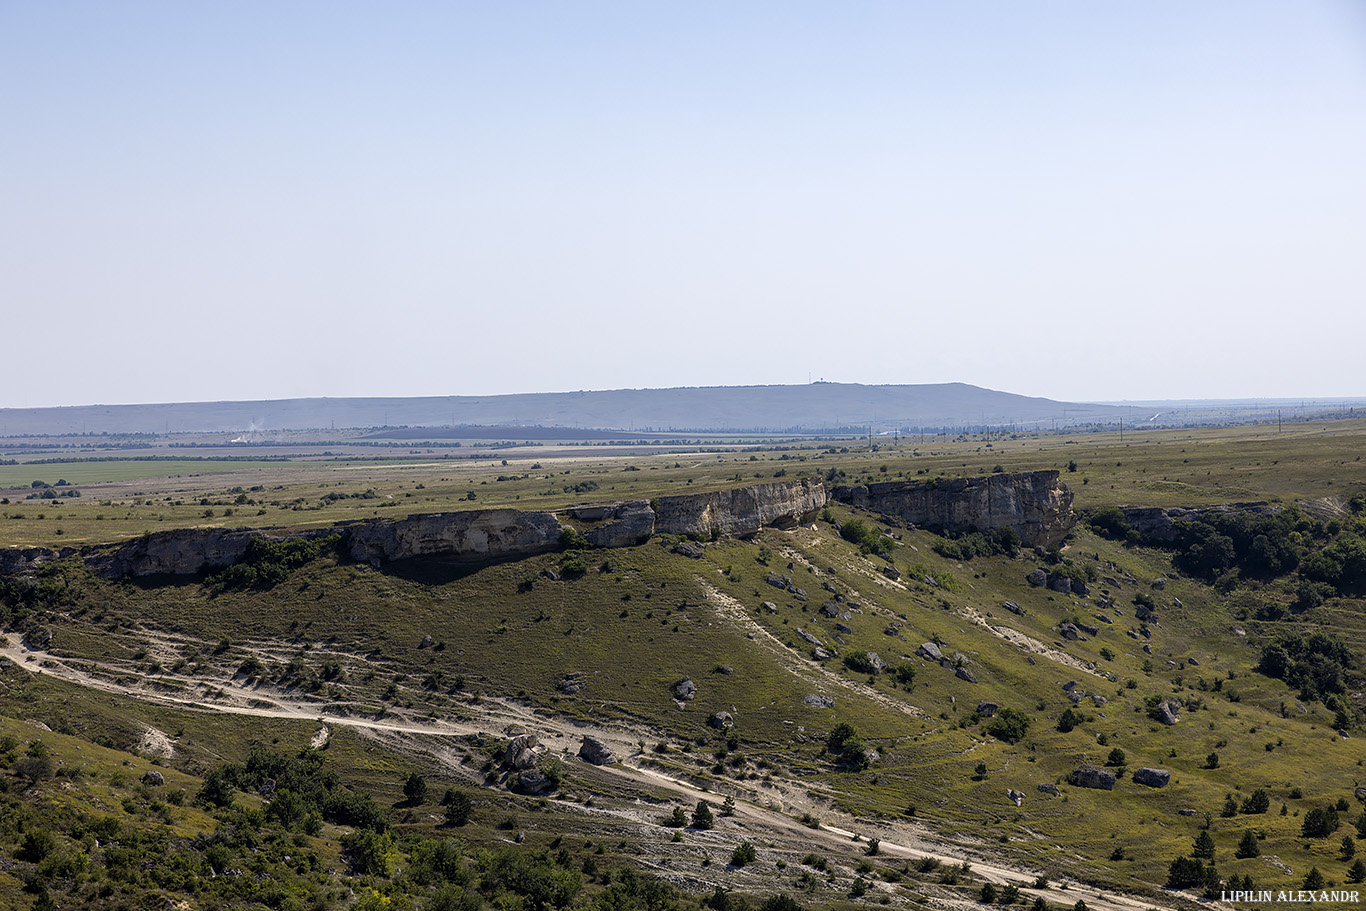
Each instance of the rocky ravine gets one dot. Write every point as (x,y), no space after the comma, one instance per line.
(1037,505)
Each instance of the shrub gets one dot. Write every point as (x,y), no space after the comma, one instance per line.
(702,817)
(1009,725)
(743,854)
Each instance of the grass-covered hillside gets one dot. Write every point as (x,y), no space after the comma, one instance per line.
(788,673)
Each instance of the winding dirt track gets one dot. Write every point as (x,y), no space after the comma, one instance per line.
(755,812)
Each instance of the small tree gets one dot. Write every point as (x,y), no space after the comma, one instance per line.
(1313,881)
(1357,872)
(743,854)
(1204,846)
(1348,849)
(1248,847)
(1116,757)
(1320,822)
(415,789)
(459,808)
(988,896)
(1259,802)
(702,816)
(728,806)
(1212,761)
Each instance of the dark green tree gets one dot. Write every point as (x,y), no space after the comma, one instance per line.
(415,789)
(1248,846)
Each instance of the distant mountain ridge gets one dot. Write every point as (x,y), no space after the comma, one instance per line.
(817,406)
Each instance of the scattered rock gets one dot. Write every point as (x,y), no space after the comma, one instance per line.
(722,721)
(1089,630)
(1188,812)
(830,609)
(1159,584)
(688,549)
(1070,632)
(878,664)
(770,607)
(1013,608)
(426,642)
(551,575)
(1153,778)
(1060,584)
(596,752)
(987,709)
(964,674)
(778,581)
(1098,699)
(685,689)
(1166,711)
(818,702)
(1192,662)
(930,652)
(1037,578)
(1360,794)
(843,628)
(1079,587)
(38,637)
(725,669)
(153,778)
(1050,789)
(1016,797)
(808,637)
(891,572)
(821,654)
(1089,776)
(571,684)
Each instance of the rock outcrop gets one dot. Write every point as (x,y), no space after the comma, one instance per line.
(1036,504)
(483,535)
(1158,524)
(623,524)
(741,511)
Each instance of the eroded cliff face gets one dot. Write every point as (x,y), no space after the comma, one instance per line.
(483,535)
(742,510)
(1036,504)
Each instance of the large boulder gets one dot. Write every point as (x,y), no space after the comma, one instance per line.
(1166,711)
(523,752)
(1153,778)
(1038,577)
(930,652)
(596,752)
(1088,776)
(685,689)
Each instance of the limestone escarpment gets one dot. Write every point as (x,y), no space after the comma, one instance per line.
(1036,504)
(742,510)
(476,536)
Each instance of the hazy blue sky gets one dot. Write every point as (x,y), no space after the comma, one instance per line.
(1082,200)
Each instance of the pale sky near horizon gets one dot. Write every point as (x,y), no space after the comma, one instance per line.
(1078,200)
